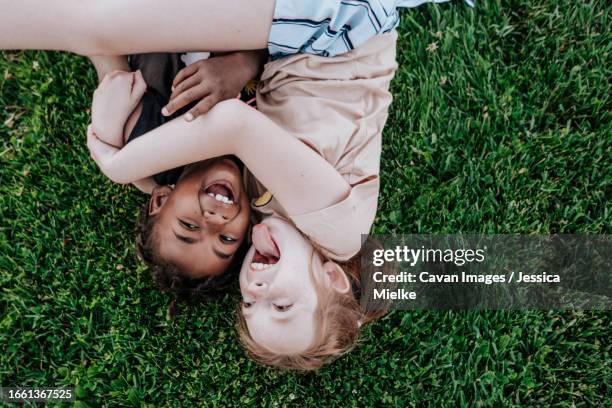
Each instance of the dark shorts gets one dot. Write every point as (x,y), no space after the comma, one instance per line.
(158,71)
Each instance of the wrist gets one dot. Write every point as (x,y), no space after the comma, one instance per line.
(252,63)
(108,135)
(110,170)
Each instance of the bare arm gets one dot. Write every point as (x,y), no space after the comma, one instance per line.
(298,177)
(106,65)
(215,79)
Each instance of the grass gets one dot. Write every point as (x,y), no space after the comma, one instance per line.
(502,127)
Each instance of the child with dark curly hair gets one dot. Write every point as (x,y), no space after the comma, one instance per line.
(187,267)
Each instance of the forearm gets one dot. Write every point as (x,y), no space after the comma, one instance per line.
(106,64)
(173,144)
(252,62)
(131,122)
(300,178)
(145,185)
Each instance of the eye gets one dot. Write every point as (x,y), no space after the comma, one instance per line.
(189,226)
(227,240)
(246,305)
(282,308)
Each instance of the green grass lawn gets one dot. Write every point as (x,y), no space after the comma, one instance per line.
(502,126)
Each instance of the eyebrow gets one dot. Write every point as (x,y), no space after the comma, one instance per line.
(190,241)
(222,255)
(186,240)
(284,317)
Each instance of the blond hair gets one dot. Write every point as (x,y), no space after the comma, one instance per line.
(339,318)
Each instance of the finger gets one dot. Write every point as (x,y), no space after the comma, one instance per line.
(116,72)
(184,74)
(140,86)
(184,85)
(201,108)
(104,79)
(184,99)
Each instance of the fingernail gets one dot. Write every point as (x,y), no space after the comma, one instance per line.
(165,111)
(189,117)
(172,88)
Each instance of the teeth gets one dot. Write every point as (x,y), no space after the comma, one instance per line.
(221,198)
(259,266)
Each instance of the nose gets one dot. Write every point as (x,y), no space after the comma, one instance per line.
(215,218)
(258,287)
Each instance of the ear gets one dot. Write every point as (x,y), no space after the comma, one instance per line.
(159,196)
(336,278)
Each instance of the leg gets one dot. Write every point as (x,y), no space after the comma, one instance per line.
(118,27)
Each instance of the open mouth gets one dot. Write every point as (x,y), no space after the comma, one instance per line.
(221,192)
(266,250)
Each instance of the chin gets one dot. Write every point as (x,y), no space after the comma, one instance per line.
(283,231)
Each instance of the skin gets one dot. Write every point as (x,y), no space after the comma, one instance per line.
(213,80)
(279,302)
(287,167)
(105,67)
(290,169)
(116,27)
(195,232)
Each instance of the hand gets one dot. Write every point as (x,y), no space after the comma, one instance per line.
(115,99)
(101,152)
(213,80)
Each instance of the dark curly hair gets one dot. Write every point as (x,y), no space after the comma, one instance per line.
(171,279)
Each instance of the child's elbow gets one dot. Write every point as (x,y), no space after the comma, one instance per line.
(118,179)
(229,117)
(231,111)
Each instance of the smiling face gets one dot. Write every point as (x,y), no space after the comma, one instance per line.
(201,222)
(281,280)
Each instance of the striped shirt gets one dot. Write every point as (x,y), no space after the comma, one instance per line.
(332,27)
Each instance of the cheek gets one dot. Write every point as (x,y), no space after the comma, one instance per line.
(244,269)
(295,282)
(242,220)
